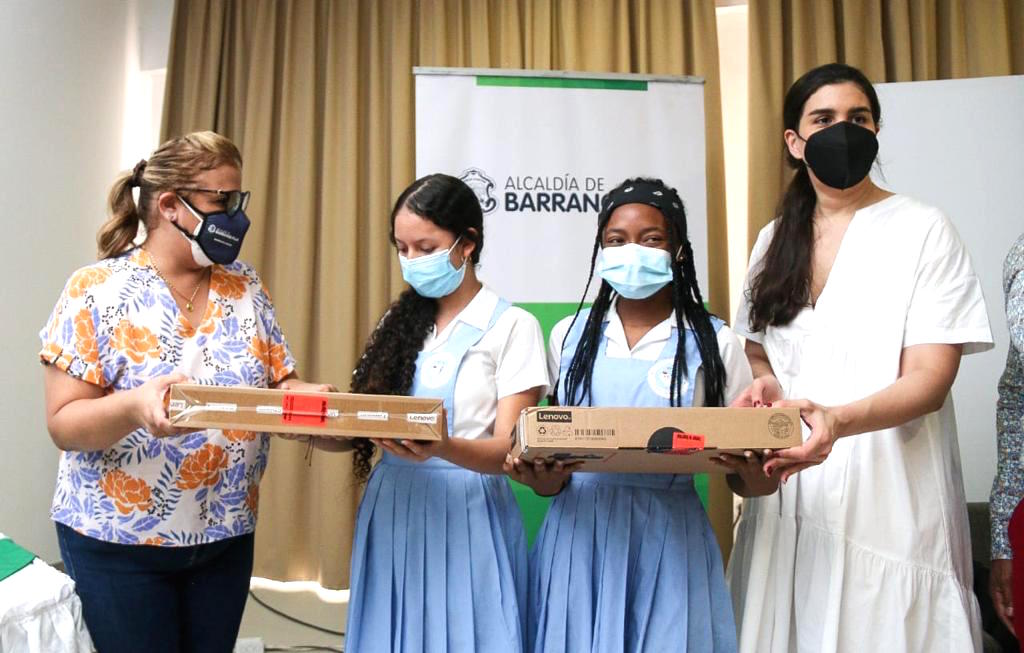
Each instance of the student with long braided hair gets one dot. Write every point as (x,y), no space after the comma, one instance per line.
(628,562)
(439,561)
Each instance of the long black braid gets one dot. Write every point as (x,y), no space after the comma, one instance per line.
(686,300)
(388,364)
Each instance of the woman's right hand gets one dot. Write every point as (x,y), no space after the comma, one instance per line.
(150,410)
(764,391)
(546,479)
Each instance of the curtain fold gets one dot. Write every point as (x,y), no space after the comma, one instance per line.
(319,97)
(889,40)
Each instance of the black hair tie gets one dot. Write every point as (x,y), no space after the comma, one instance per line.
(137,171)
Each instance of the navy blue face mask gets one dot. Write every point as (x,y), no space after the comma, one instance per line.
(219,235)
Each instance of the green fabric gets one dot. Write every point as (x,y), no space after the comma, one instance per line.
(13,558)
(562,82)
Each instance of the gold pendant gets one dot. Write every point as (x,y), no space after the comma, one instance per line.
(188,306)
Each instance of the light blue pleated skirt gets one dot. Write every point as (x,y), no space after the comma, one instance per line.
(628,563)
(439,562)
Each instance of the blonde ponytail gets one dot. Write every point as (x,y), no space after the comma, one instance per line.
(118,232)
(173,165)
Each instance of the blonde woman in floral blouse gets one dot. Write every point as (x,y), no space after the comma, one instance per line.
(155,525)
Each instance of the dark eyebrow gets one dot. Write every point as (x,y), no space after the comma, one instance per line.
(830,112)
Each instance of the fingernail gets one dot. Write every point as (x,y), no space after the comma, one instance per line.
(770,404)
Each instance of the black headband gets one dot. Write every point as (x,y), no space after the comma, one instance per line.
(643,192)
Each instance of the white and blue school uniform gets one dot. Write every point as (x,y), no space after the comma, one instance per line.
(628,562)
(439,559)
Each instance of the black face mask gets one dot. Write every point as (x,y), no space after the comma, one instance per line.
(841,155)
(218,236)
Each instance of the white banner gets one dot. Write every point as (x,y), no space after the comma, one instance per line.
(540,149)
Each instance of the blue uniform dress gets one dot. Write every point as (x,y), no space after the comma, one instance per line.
(439,559)
(628,562)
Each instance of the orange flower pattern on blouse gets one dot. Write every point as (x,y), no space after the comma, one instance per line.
(240,436)
(252,499)
(225,284)
(275,356)
(136,342)
(202,467)
(86,278)
(117,325)
(128,493)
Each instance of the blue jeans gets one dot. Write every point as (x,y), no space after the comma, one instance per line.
(160,599)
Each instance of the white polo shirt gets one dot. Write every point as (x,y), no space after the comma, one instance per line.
(508,359)
(737,369)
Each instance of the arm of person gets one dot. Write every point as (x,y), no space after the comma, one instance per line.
(485,455)
(1008,486)
(765,389)
(926,374)
(744,472)
(82,416)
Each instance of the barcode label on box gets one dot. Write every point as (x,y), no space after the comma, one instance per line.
(269,410)
(372,415)
(594,433)
(221,407)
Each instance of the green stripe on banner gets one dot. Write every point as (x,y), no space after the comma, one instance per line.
(532,506)
(562,82)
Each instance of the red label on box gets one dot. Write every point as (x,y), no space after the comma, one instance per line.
(683,443)
(304,410)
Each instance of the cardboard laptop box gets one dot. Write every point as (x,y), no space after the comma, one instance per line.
(318,413)
(661,440)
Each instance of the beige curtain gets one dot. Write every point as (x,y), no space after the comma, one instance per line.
(890,40)
(319,96)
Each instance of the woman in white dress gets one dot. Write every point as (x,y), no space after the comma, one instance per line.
(858,307)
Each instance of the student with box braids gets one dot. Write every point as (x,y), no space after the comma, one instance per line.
(628,562)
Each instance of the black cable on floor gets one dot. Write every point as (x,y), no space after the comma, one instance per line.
(340,633)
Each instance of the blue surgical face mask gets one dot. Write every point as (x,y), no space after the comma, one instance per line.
(218,236)
(433,275)
(635,271)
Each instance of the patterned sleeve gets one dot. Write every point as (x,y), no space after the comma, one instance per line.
(1008,487)
(72,337)
(281,363)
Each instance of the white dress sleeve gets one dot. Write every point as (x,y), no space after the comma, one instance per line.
(741,325)
(520,363)
(947,305)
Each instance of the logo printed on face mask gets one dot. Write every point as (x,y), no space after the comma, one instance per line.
(218,237)
(841,155)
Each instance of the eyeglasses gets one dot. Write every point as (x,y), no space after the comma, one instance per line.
(232,200)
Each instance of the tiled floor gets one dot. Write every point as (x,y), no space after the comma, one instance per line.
(305,601)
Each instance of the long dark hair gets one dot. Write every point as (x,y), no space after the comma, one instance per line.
(686,300)
(782,287)
(388,364)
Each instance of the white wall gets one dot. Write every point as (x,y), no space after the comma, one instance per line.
(956,144)
(62,104)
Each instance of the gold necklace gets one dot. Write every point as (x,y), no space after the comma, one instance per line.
(188,300)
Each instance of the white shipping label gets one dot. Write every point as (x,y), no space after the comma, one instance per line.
(372,415)
(221,408)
